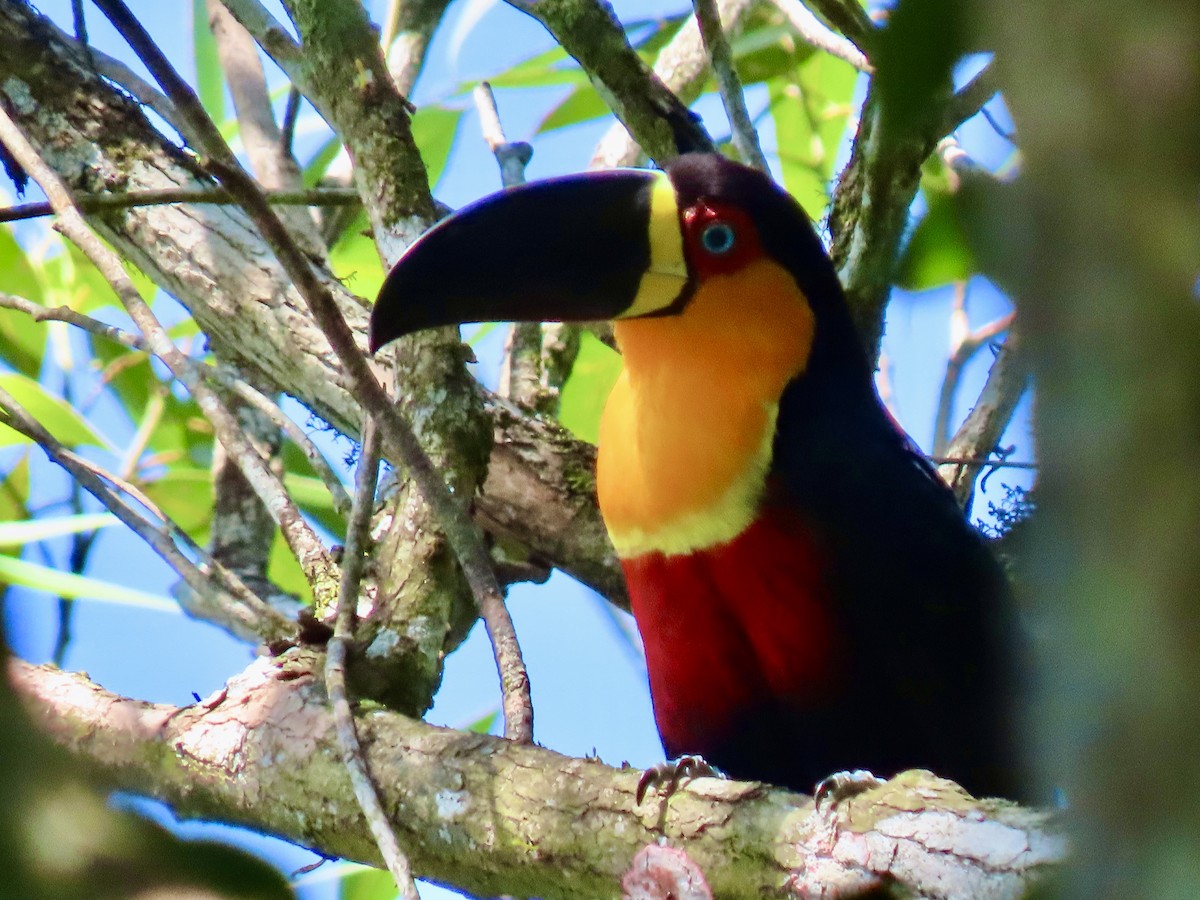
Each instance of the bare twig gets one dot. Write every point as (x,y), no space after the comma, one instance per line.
(335,667)
(512,158)
(520,372)
(302,540)
(817,34)
(971,97)
(91,203)
(978,435)
(964,344)
(271,162)
(745,138)
(460,531)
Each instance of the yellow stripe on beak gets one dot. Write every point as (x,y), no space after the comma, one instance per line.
(667,274)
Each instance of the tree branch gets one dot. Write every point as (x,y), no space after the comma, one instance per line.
(682,66)
(745,138)
(589,31)
(980,432)
(494,817)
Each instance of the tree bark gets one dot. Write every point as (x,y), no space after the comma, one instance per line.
(494,817)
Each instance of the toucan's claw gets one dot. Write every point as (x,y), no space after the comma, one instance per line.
(665,777)
(843,785)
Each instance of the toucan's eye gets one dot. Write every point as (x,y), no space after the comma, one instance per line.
(718,238)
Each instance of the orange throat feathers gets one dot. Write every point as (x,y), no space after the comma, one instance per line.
(686,435)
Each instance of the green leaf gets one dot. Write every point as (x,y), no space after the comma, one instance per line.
(582,104)
(811,109)
(312,496)
(550,67)
(938,252)
(367,884)
(22,340)
(765,51)
(355,261)
(28,531)
(483,725)
(592,377)
(317,166)
(210,80)
(434,129)
(14,488)
(184,493)
(51,412)
(79,587)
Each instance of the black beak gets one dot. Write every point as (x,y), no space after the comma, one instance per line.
(564,249)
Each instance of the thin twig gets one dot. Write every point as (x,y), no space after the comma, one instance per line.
(221,376)
(256,616)
(93,203)
(520,372)
(291,114)
(335,667)
(460,531)
(745,138)
(273,166)
(982,461)
(977,437)
(817,34)
(964,344)
(302,540)
(512,158)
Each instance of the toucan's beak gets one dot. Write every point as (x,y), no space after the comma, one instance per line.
(601,245)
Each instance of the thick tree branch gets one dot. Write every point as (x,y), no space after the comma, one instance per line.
(494,817)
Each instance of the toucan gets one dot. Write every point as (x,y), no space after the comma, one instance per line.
(809,594)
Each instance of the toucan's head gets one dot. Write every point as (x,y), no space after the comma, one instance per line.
(630,245)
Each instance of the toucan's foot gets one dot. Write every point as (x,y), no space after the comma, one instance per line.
(843,785)
(665,777)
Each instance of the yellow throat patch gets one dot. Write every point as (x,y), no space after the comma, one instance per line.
(686,435)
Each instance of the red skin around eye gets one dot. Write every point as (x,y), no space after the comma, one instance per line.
(745,249)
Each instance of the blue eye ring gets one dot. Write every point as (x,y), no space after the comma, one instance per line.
(718,238)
